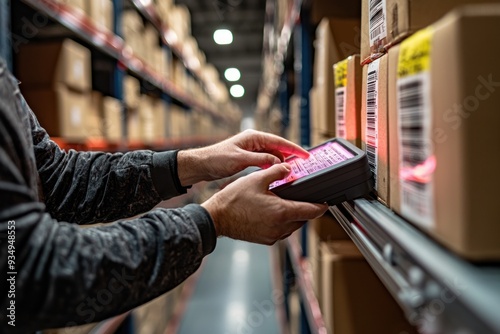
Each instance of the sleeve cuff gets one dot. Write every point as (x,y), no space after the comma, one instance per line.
(164,175)
(205,225)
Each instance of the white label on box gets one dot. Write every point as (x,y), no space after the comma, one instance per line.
(377,21)
(371,139)
(76,116)
(416,159)
(340,104)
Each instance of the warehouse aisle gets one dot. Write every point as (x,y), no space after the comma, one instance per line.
(233,294)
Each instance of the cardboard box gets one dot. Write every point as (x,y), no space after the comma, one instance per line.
(374,114)
(101,12)
(134,126)
(44,65)
(348,80)
(146,119)
(404,17)
(323,229)
(446,183)
(94,117)
(62,112)
(78,5)
(373,29)
(400,18)
(335,8)
(160,109)
(131,91)
(336,39)
(113,119)
(355,301)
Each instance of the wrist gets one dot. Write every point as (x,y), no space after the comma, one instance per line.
(211,206)
(190,165)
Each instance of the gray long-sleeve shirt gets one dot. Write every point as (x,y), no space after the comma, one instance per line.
(66,275)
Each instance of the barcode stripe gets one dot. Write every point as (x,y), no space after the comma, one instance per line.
(415,146)
(372,117)
(340,112)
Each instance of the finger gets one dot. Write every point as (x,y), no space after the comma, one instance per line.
(274,173)
(269,142)
(300,211)
(263,160)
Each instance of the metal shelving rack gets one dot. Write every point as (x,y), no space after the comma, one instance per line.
(439,291)
(113,45)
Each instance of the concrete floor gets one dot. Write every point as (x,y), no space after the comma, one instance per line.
(234,293)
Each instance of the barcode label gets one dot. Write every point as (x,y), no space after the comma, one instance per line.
(371,139)
(415,148)
(340,102)
(377,21)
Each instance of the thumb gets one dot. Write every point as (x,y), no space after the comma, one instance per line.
(274,173)
(263,160)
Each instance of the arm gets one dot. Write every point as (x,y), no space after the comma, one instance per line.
(67,275)
(89,187)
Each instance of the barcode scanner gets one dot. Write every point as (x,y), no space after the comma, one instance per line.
(336,171)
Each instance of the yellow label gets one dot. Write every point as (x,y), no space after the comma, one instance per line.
(341,73)
(415,53)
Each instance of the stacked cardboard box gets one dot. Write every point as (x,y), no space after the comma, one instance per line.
(336,39)
(444,85)
(387,22)
(354,299)
(320,230)
(57,85)
(348,79)
(104,118)
(101,12)
(374,124)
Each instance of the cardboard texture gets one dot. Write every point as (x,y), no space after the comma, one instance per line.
(382,186)
(404,17)
(113,119)
(370,51)
(335,8)
(44,65)
(465,95)
(349,77)
(101,13)
(78,5)
(93,118)
(336,39)
(352,292)
(322,229)
(133,126)
(61,112)
(131,91)
(159,119)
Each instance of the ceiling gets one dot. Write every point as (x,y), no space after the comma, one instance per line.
(245,18)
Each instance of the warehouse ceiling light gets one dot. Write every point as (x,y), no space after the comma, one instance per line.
(223,36)
(237,90)
(232,74)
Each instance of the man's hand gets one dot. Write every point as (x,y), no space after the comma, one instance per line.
(248,148)
(247,210)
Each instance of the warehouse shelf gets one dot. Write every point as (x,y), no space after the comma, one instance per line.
(148,10)
(94,144)
(112,45)
(279,51)
(439,292)
(303,276)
